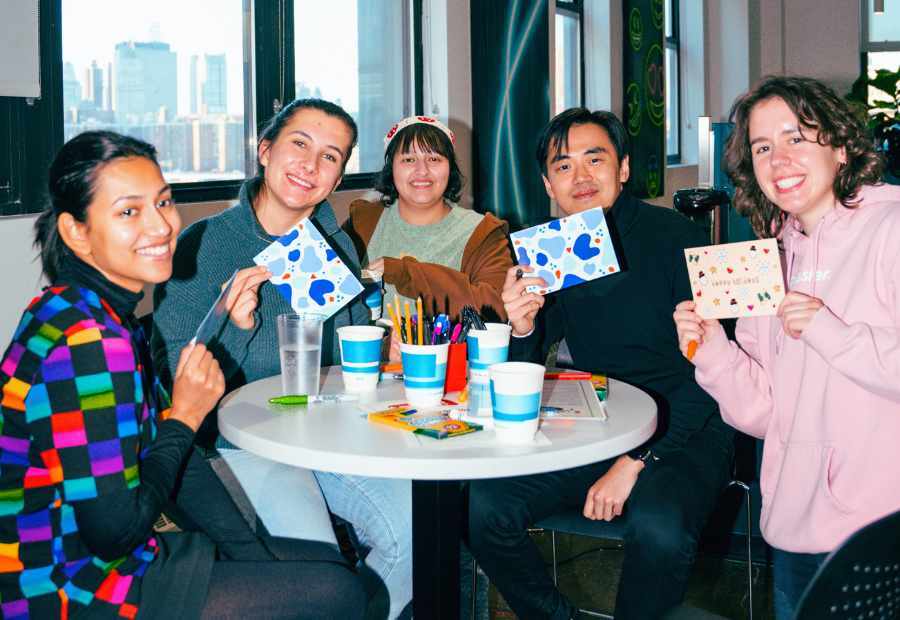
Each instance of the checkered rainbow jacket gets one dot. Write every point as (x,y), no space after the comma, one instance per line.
(74,425)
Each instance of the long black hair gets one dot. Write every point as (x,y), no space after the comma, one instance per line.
(71,184)
(272,129)
(431,140)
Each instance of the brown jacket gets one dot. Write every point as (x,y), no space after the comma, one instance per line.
(485,261)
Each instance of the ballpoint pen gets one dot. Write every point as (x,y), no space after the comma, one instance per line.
(305,399)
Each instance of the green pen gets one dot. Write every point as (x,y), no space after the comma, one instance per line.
(304,399)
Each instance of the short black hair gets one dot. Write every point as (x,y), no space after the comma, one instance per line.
(556,134)
(71,184)
(429,138)
(272,129)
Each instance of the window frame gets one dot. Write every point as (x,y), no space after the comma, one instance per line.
(674,43)
(868,46)
(35,127)
(574,8)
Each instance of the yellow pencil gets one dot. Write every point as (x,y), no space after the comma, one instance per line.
(395,320)
(420,320)
(409,337)
(397,310)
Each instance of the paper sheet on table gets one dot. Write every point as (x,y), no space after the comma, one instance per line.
(571,400)
(486,438)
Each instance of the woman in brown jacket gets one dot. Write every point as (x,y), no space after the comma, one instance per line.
(423,243)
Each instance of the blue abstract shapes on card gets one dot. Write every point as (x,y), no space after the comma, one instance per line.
(330,255)
(311,262)
(571,280)
(351,287)
(288,238)
(294,256)
(554,246)
(523,256)
(540,259)
(548,277)
(528,232)
(593,218)
(276,266)
(582,247)
(318,289)
(285,290)
(554,225)
(589,268)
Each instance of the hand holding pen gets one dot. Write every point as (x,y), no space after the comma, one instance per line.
(521,306)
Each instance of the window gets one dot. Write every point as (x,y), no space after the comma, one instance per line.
(568,66)
(198,88)
(372,79)
(673,84)
(881,38)
(151,73)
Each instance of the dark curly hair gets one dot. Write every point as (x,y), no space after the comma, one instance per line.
(818,108)
(429,139)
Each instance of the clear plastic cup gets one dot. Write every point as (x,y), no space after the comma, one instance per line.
(300,350)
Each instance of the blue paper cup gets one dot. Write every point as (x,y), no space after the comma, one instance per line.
(424,370)
(516,389)
(360,357)
(485,347)
(373,294)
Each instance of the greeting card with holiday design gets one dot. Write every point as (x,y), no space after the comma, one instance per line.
(736,279)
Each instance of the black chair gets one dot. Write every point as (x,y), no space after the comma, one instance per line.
(860,579)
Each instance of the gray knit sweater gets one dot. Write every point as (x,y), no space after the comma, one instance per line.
(208,253)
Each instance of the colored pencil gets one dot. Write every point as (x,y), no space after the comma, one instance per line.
(395,320)
(409,332)
(420,325)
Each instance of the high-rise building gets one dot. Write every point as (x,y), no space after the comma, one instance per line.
(95,73)
(109,86)
(71,87)
(146,81)
(215,95)
(195,84)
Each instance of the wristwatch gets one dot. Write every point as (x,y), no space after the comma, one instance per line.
(644,455)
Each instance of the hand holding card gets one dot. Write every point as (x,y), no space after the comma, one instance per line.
(308,272)
(567,251)
(736,279)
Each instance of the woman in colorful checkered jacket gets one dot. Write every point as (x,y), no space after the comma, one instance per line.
(92,449)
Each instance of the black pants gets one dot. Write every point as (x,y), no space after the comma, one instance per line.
(665,514)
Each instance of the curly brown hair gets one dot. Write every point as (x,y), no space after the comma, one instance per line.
(818,108)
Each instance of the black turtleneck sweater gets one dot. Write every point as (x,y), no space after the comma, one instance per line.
(622,324)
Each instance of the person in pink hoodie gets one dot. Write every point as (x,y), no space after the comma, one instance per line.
(821,380)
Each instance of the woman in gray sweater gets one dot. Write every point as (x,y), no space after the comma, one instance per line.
(302,153)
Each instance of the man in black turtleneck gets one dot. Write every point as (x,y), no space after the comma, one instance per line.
(620,325)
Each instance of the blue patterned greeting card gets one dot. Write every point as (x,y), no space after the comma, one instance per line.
(308,272)
(568,251)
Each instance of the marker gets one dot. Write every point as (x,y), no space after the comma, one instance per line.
(455,336)
(691,349)
(304,399)
(519,274)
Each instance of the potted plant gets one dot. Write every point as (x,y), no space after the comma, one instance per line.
(882,112)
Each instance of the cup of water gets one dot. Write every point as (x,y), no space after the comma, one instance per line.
(360,357)
(300,349)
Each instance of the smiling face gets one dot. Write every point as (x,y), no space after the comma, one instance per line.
(305,162)
(586,173)
(420,177)
(792,169)
(132,225)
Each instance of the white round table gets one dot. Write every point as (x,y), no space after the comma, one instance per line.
(336,437)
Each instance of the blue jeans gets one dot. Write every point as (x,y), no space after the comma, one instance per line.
(792,573)
(380,510)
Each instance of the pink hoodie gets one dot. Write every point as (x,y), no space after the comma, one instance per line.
(827,404)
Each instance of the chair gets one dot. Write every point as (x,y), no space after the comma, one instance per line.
(860,579)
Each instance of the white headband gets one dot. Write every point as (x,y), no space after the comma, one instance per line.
(413,120)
